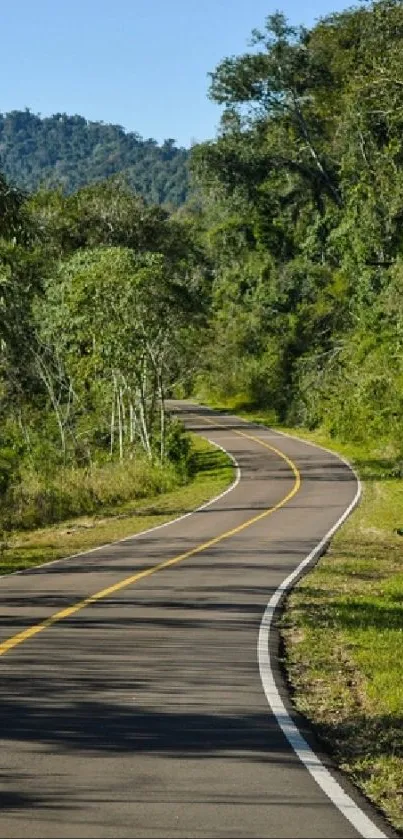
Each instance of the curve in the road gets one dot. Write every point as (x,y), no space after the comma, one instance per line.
(69,611)
(289,533)
(322,776)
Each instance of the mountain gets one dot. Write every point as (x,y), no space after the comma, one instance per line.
(70,151)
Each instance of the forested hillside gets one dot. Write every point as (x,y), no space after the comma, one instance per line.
(71,152)
(303,221)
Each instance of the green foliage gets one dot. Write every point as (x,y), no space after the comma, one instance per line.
(8,468)
(100,296)
(38,499)
(70,152)
(303,207)
(178,445)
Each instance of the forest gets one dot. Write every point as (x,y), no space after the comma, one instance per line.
(303,224)
(70,152)
(277,284)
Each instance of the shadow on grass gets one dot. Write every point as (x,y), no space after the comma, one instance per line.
(207,462)
(349,613)
(361,736)
(380,469)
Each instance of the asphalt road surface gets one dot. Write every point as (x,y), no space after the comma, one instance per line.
(141,711)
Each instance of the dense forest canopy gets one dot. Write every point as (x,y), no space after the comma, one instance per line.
(71,152)
(304,222)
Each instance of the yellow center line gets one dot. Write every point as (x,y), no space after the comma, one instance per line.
(20,637)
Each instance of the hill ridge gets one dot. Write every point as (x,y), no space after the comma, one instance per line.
(70,151)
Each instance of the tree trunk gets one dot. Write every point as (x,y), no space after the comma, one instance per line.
(113,415)
(120,425)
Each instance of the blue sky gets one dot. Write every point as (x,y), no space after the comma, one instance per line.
(143,64)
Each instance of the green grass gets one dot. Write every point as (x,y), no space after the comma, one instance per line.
(343,632)
(342,629)
(211,472)
(40,499)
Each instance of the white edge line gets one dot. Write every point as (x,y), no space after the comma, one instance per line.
(344,803)
(311,761)
(142,532)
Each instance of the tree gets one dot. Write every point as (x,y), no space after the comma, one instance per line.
(69,152)
(126,313)
(302,197)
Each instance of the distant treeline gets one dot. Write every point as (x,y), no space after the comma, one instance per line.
(71,152)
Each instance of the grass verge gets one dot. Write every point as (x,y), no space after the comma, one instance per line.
(342,628)
(211,472)
(343,634)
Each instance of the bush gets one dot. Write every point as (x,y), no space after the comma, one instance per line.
(177,444)
(8,469)
(37,501)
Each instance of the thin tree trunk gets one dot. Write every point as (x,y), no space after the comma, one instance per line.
(143,421)
(123,413)
(120,427)
(304,128)
(162,419)
(132,422)
(143,410)
(113,415)
(49,386)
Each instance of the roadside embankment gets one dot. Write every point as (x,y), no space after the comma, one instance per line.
(210,472)
(342,629)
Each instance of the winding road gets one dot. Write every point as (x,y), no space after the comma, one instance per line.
(140,689)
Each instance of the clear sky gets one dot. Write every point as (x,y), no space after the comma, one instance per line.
(143,64)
